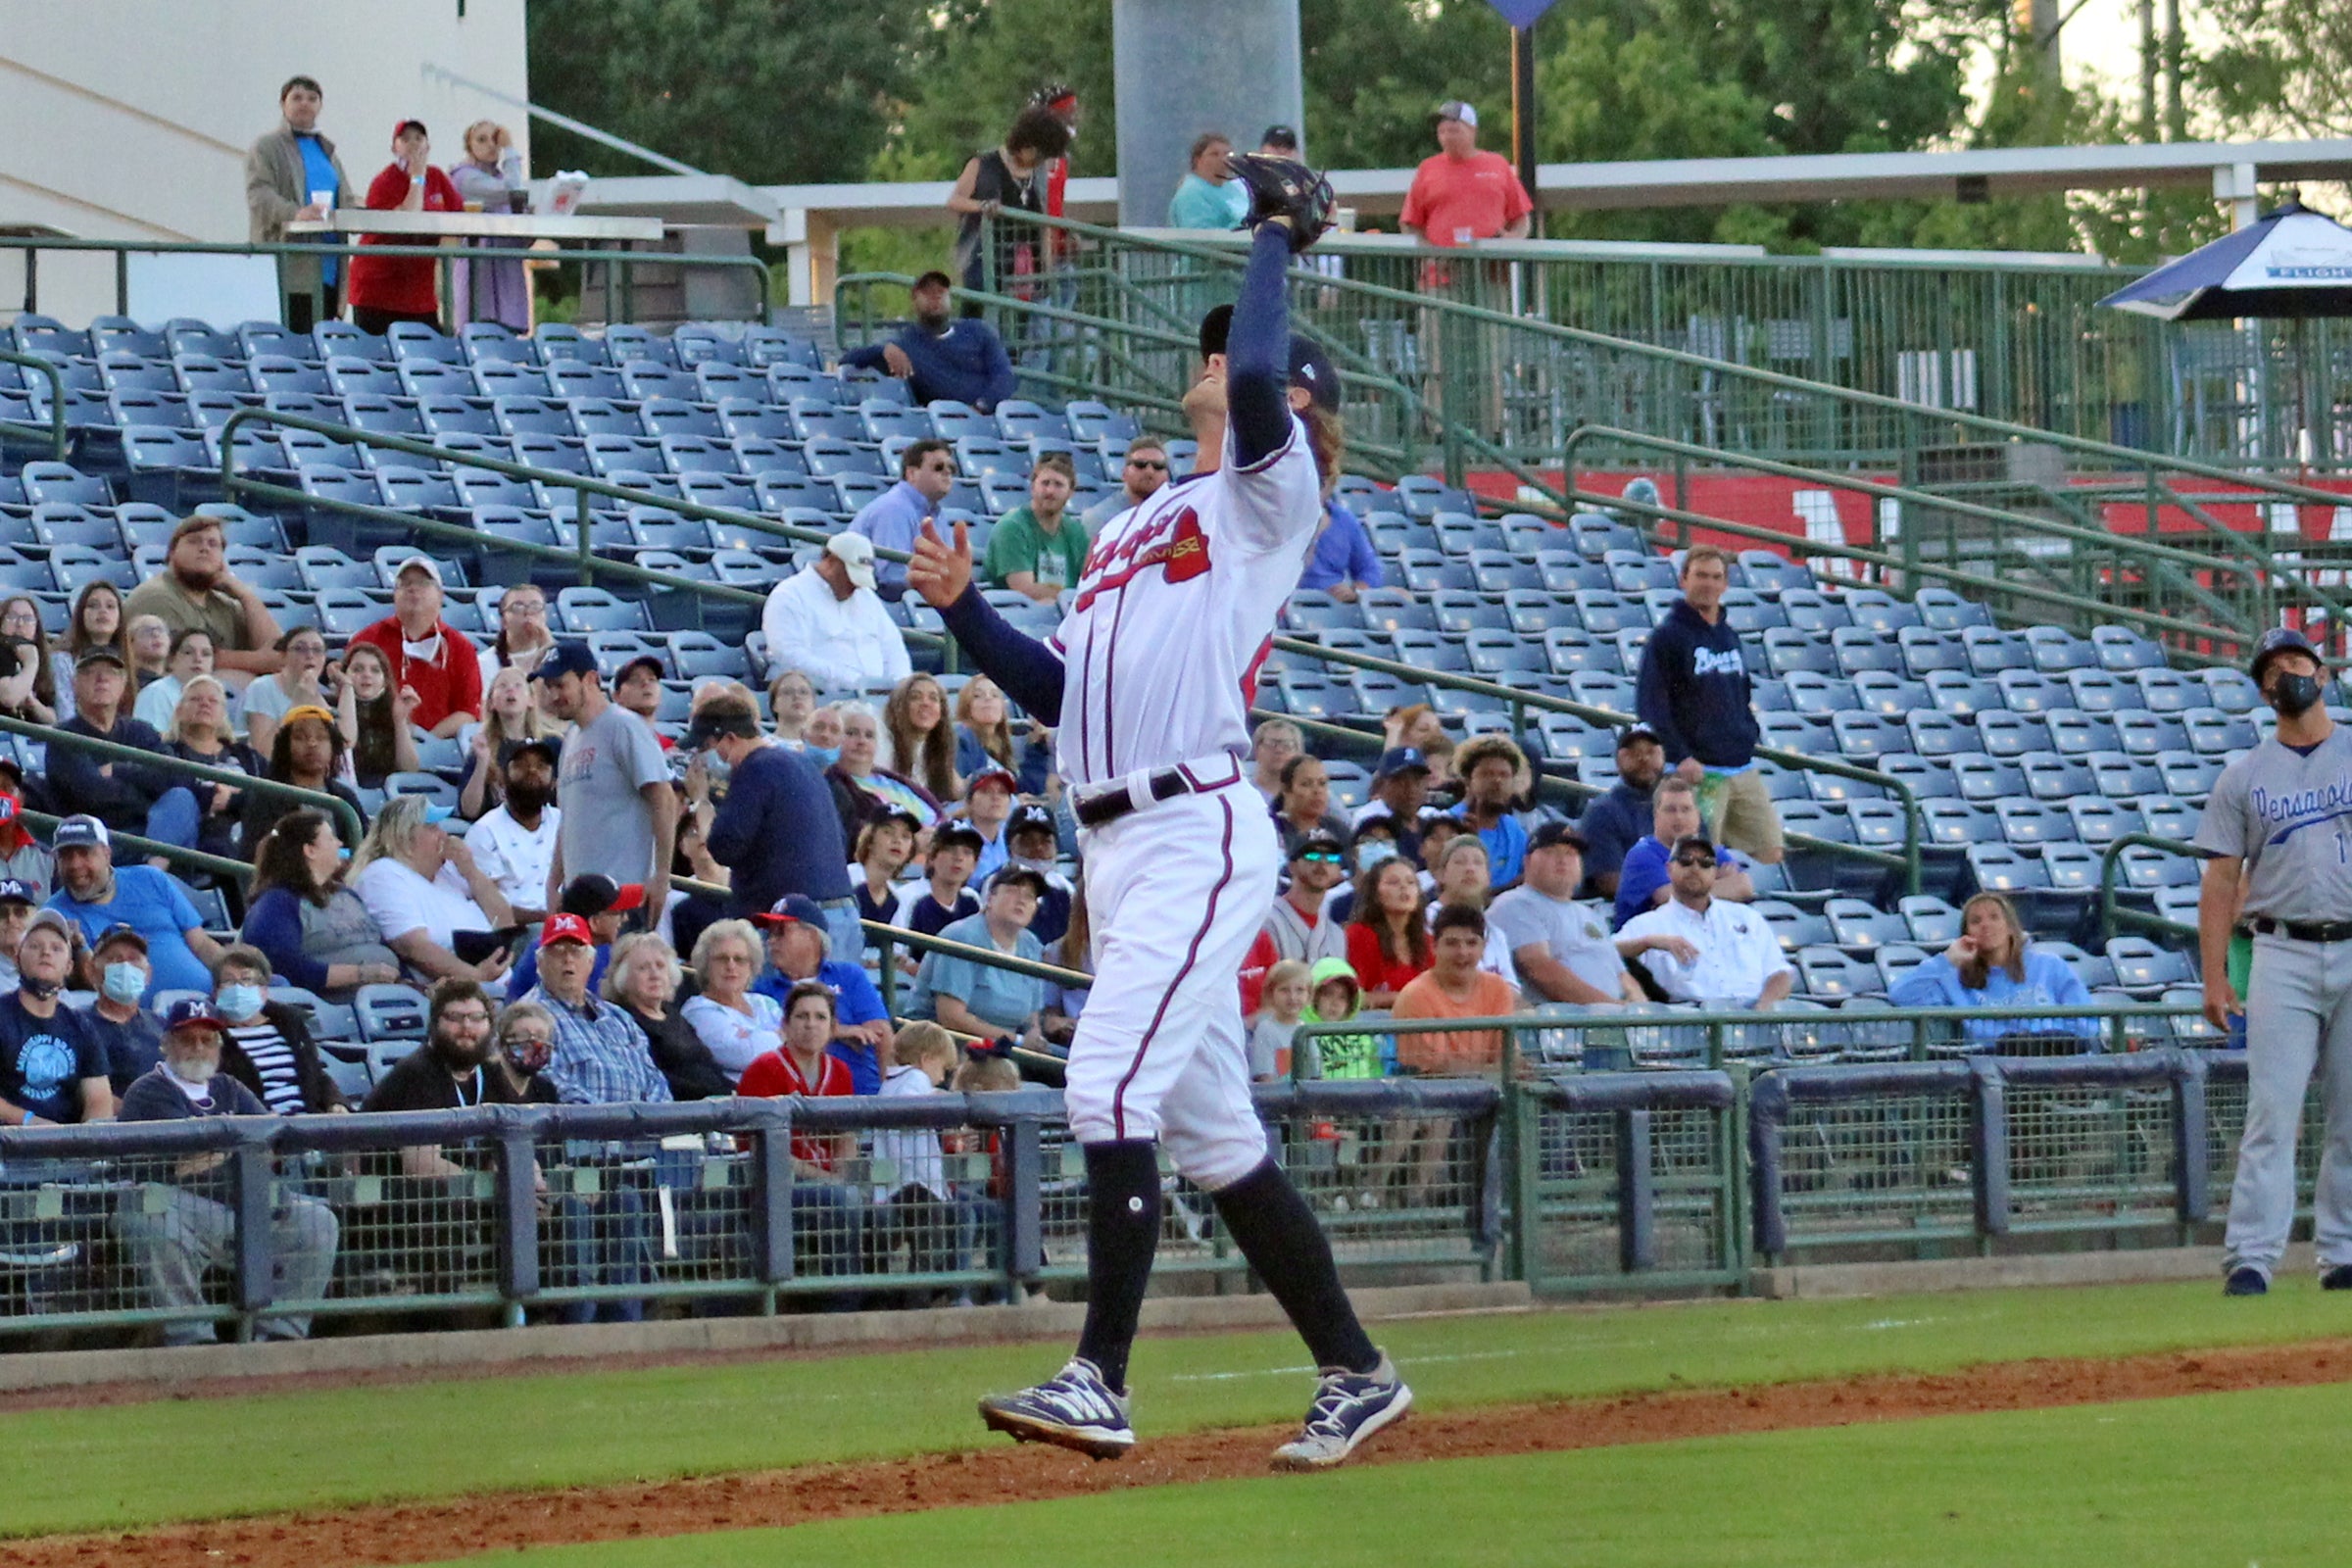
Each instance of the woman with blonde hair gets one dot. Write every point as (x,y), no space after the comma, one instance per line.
(428,898)
(509,715)
(643,981)
(1989,964)
(200,733)
(490,177)
(922,736)
(984,734)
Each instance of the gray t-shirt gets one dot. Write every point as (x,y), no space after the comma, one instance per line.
(606,825)
(2289,817)
(1577,937)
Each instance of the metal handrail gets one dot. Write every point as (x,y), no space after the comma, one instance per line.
(115,750)
(2111,861)
(58,435)
(1519,700)
(624,262)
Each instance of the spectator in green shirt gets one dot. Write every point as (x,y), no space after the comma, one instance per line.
(1040,549)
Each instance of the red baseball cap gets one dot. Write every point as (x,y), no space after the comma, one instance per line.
(566,928)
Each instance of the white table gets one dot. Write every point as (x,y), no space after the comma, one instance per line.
(424,227)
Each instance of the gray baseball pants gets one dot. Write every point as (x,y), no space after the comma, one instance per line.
(183,1234)
(2298,1020)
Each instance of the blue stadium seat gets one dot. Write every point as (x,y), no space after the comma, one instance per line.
(2008,735)
(533,416)
(2052,777)
(2124,651)
(1942,610)
(582,378)
(1927,649)
(413,342)
(1983,779)
(2057,650)
(495,341)
(2095,691)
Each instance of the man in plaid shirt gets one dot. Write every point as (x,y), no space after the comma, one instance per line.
(601,1055)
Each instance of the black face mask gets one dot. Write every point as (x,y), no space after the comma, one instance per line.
(2293,696)
(39,988)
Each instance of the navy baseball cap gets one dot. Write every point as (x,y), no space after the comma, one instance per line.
(192,1012)
(82,832)
(2282,640)
(551,749)
(1635,734)
(565,659)
(1031,818)
(1318,843)
(794,908)
(119,931)
(1311,367)
(1016,872)
(593,893)
(1399,760)
(13,891)
(1552,835)
(955,830)
(992,773)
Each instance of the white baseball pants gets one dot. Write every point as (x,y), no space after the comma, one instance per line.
(1176,893)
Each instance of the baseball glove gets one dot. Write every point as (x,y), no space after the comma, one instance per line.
(1283,187)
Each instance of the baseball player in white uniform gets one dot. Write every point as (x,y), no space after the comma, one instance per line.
(2277,828)
(1151,672)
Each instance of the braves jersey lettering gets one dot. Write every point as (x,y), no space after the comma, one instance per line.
(1175,612)
(1718,662)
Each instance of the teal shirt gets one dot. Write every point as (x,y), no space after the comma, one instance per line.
(1001,998)
(1203,204)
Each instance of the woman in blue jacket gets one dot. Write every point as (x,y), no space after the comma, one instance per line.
(1990,966)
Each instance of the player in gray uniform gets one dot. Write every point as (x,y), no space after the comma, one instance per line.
(2278,828)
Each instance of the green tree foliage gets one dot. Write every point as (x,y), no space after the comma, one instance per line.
(2282,65)
(771,92)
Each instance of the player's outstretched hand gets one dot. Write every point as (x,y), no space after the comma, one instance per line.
(938,572)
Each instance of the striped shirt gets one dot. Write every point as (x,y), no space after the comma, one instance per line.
(274,1059)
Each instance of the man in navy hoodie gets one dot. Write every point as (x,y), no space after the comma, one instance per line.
(1693,692)
(939,356)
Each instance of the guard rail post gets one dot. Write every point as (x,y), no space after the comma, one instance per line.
(1988,1149)
(1024,1238)
(253,1173)
(515,1192)
(2192,1168)
(772,1240)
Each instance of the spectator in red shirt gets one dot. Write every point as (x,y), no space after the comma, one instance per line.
(428,654)
(1388,941)
(402,288)
(824,1221)
(1461,194)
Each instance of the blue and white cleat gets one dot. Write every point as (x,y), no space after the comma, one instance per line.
(1348,1408)
(1072,1409)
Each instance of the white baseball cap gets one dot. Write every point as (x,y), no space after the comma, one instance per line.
(855,552)
(1455,109)
(424,563)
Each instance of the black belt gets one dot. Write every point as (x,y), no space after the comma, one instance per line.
(1164,784)
(2303,930)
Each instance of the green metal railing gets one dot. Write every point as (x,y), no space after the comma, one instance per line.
(1508,365)
(2014,338)
(620,265)
(2113,913)
(335,808)
(54,432)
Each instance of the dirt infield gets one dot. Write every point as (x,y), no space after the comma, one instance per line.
(426,1532)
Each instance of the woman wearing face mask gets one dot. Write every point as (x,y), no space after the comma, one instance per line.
(97,620)
(305,923)
(307,752)
(298,684)
(29,690)
(269,1049)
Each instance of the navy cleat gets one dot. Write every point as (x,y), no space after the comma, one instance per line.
(2246,1281)
(1072,1409)
(1348,1408)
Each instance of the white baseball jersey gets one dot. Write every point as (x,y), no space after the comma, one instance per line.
(1176,611)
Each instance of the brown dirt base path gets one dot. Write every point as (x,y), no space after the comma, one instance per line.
(428,1532)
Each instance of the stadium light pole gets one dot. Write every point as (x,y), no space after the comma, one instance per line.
(1523,117)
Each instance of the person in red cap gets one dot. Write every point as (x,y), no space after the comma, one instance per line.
(601,1057)
(605,905)
(386,289)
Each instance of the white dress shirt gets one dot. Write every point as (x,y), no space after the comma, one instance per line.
(839,644)
(1738,951)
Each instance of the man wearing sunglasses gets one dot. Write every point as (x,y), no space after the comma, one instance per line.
(1699,948)
(1298,926)
(1140,478)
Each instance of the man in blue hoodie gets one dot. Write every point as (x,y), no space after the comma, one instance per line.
(1693,692)
(939,356)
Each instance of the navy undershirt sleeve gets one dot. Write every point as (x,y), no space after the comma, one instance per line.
(1028,670)
(1258,351)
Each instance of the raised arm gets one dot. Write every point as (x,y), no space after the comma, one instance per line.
(1030,671)
(1257,349)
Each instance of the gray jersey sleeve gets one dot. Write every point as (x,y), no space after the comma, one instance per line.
(2222,830)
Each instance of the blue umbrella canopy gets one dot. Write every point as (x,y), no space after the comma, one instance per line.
(2292,263)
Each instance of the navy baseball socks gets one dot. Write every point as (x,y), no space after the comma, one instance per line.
(1084,1406)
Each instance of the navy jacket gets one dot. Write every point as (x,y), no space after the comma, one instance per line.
(778,832)
(967,363)
(1693,690)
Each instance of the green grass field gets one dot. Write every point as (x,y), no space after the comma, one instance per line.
(2219,1479)
(271,1452)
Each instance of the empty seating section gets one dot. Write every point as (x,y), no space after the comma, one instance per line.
(2030,749)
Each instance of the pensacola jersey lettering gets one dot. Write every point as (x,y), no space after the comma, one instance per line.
(2292,810)
(1175,610)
